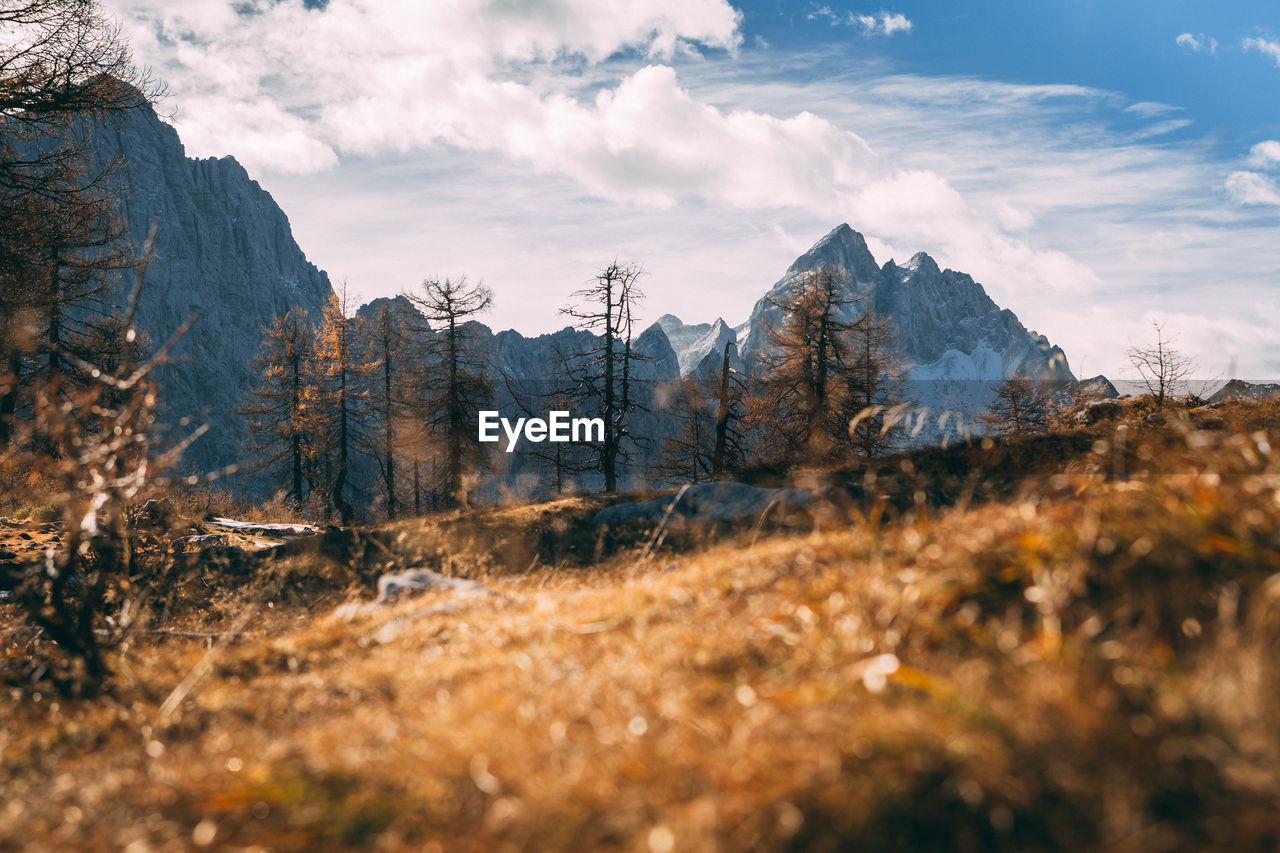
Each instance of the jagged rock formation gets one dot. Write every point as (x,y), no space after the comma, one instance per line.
(223,252)
(945,325)
(1097,388)
(700,349)
(1238,389)
(954,340)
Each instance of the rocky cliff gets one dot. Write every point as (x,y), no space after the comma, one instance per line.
(1238,389)
(224,253)
(945,325)
(955,342)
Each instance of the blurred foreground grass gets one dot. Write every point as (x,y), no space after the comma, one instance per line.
(1086,660)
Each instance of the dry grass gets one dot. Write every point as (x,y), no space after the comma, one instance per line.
(208,500)
(1086,664)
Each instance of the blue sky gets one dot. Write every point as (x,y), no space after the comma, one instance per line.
(1128,46)
(1096,165)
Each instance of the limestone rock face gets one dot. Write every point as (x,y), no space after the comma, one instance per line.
(945,325)
(954,341)
(700,349)
(224,253)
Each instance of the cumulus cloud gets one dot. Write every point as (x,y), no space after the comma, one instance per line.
(1265,154)
(1266,47)
(414,72)
(523,99)
(1252,188)
(288,88)
(1197,42)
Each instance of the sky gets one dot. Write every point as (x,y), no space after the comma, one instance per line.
(1097,165)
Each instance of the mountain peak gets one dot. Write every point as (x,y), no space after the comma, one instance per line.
(921,262)
(842,248)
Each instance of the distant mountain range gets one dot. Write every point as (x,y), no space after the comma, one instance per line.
(225,252)
(954,340)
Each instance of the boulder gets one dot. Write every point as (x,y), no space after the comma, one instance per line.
(393,585)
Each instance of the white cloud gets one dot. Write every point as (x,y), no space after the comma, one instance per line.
(1265,154)
(1150,109)
(1072,219)
(1197,42)
(287,89)
(883,24)
(1252,188)
(504,123)
(816,12)
(894,24)
(413,72)
(1264,46)
(878,24)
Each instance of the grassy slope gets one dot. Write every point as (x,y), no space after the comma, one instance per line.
(1088,663)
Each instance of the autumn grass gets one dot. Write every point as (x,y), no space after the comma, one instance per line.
(1087,663)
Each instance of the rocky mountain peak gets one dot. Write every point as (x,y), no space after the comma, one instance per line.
(1238,389)
(921,263)
(842,248)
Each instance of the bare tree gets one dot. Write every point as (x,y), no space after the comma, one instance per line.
(686,456)
(454,381)
(708,410)
(393,350)
(872,389)
(1161,367)
(729,450)
(63,69)
(602,376)
(1020,407)
(556,466)
(335,402)
(277,421)
(88,592)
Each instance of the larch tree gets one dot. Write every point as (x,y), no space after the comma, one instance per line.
(826,383)
(797,407)
(1020,407)
(278,421)
(454,382)
(1161,367)
(686,456)
(392,356)
(335,402)
(601,377)
(873,387)
(708,443)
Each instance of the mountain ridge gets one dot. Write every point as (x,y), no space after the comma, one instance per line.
(225,252)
